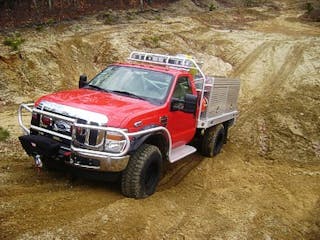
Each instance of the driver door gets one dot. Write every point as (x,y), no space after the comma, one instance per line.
(181,125)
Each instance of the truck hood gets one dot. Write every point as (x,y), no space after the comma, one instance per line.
(114,109)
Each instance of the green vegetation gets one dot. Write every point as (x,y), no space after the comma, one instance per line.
(158,18)
(309,7)
(151,41)
(249,3)
(109,17)
(14,41)
(131,16)
(212,7)
(39,27)
(50,21)
(4,134)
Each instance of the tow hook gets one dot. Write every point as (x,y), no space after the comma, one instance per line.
(37,161)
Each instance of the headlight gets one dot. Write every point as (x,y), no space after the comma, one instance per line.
(115,142)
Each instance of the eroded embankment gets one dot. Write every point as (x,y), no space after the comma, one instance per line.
(278,72)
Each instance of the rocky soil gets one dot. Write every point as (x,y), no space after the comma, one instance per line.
(264,184)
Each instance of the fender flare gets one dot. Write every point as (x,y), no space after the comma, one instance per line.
(136,142)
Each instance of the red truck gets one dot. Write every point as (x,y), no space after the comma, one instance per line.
(131,119)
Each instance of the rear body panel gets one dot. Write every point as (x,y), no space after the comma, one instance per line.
(221,95)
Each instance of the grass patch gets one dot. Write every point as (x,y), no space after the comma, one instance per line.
(4,134)
(309,7)
(109,17)
(131,16)
(158,18)
(212,7)
(151,41)
(249,3)
(14,41)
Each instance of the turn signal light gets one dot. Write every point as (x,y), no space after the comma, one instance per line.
(114,136)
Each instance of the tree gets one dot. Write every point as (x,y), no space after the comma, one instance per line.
(50,4)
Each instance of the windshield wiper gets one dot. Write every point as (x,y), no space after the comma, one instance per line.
(97,88)
(128,94)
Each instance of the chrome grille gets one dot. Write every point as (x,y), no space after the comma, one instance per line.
(88,138)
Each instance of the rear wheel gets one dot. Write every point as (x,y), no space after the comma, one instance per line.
(141,177)
(213,141)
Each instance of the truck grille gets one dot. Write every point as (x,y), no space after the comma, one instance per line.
(48,126)
(57,121)
(89,138)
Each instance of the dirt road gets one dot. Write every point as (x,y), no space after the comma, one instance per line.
(264,184)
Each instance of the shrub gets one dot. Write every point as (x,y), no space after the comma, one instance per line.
(4,134)
(14,41)
(309,7)
(212,7)
(50,21)
(109,17)
(39,27)
(151,41)
(131,16)
(248,3)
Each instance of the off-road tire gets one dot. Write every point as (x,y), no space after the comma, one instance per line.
(142,175)
(213,140)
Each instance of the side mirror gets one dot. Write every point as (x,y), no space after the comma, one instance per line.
(190,103)
(83,81)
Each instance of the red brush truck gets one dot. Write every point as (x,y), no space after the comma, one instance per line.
(132,118)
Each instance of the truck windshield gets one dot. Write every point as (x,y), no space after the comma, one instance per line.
(134,82)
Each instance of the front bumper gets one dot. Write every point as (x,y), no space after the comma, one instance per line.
(86,155)
(97,161)
(83,156)
(50,150)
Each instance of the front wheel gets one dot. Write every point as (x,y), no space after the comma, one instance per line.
(141,177)
(213,140)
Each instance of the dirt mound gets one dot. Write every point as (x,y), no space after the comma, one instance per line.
(264,184)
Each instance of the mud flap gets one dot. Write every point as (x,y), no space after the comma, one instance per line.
(39,145)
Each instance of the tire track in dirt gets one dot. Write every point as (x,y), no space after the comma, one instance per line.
(273,83)
(274,86)
(251,58)
(178,171)
(290,64)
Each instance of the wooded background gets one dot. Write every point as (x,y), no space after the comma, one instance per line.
(25,12)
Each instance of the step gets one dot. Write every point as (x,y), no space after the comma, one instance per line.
(181,152)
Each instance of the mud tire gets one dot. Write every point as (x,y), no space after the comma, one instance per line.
(141,177)
(213,140)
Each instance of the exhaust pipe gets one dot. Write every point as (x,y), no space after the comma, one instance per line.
(37,161)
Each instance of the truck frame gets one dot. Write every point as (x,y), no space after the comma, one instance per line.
(58,132)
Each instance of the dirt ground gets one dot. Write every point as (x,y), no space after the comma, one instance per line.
(264,185)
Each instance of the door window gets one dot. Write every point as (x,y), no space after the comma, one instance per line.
(182,88)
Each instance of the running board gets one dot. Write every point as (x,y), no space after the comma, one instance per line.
(181,152)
